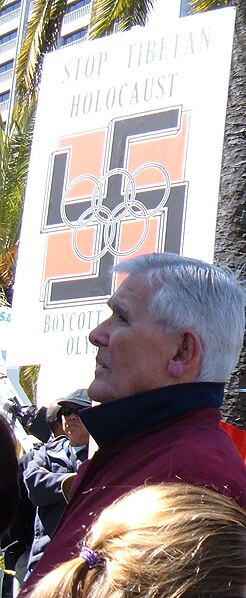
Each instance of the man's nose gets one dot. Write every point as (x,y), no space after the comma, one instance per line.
(72,416)
(99,336)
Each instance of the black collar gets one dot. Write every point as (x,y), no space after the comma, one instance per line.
(116,420)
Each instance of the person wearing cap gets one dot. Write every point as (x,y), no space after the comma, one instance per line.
(52,463)
(73,427)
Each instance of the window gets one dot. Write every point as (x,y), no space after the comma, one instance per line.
(6,66)
(9,8)
(8,36)
(78,4)
(4,96)
(73,37)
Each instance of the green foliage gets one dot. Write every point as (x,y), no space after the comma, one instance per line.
(124,13)
(15,144)
(28,377)
(203,5)
(41,36)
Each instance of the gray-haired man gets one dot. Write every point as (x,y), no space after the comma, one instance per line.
(164,354)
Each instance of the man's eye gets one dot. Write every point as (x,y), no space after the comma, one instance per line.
(122,318)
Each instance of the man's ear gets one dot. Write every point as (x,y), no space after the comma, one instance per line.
(185,364)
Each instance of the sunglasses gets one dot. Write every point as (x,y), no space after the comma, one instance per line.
(69,410)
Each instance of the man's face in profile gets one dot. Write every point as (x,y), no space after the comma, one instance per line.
(132,350)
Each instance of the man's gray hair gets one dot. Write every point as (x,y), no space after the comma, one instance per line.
(202,297)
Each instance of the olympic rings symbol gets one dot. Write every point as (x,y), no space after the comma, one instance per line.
(108,219)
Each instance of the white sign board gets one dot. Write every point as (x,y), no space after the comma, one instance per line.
(5,321)
(125,160)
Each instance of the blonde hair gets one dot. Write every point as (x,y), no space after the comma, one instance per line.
(159,541)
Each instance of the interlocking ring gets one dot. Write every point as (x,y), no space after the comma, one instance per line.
(107,219)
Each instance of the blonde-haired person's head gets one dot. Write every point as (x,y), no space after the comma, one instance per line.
(159,541)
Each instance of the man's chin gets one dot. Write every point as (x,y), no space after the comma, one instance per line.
(99,392)
(92,391)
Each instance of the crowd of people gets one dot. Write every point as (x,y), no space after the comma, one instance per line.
(41,473)
(159,510)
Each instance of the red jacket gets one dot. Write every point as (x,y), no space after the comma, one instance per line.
(190,447)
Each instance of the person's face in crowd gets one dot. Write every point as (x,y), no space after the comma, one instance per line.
(72,425)
(133,353)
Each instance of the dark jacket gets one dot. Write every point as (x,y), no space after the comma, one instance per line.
(166,435)
(43,477)
(20,535)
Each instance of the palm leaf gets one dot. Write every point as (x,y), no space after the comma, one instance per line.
(15,145)
(14,159)
(126,13)
(28,378)
(203,5)
(41,36)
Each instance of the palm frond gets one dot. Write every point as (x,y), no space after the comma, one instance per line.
(28,378)
(15,143)
(203,5)
(41,36)
(14,159)
(126,13)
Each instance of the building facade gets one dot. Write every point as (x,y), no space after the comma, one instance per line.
(14,16)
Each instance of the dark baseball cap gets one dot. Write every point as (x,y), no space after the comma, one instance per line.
(78,397)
